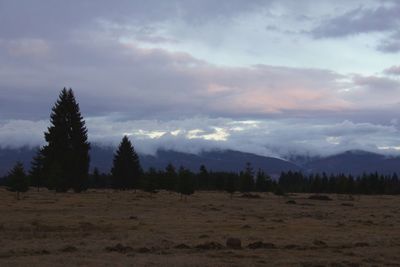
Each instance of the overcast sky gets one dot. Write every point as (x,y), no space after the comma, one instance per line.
(269,77)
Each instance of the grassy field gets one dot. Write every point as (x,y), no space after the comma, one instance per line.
(107,228)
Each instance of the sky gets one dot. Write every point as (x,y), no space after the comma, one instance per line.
(275,78)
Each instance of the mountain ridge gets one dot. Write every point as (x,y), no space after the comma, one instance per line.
(353,162)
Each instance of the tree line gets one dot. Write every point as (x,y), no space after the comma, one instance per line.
(367,184)
(63,164)
(248,180)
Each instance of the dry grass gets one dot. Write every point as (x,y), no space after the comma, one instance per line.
(107,228)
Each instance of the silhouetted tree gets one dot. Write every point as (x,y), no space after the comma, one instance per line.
(97,180)
(185,183)
(17,181)
(217,180)
(230,185)
(372,183)
(247,179)
(126,168)
(324,183)
(36,173)
(170,178)
(150,180)
(394,185)
(350,188)
(261,181)
(66,155)
(316,184)
(203,178)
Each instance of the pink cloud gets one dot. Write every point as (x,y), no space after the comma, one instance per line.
(394,70)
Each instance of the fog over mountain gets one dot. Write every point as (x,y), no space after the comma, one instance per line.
(277,138)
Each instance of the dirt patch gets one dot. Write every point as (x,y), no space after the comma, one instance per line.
(182,246)
(119,248)
(233,243)
(249,195)
(261,245)
(320,197)
(210,246)
(69,249)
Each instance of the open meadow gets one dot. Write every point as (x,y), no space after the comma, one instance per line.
(115,228)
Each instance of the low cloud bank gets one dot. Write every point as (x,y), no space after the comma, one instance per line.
(274,137)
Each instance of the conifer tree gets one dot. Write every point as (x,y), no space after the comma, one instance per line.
(126,168)
(36,171)
(229,185)
(17,181)
(96,180)
(203,178)
(261,181)
(66,155)
(185,183)
(150,180)
(247,179)
(170,178)
(80,146)
(394,184)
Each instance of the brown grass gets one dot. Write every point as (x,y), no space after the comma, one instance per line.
(107,228)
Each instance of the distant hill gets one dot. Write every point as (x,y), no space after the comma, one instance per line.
(227,160)
(101,157)
(354,162)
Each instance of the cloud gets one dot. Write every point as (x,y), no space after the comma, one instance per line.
(360,20)
(29,19)
(376,84)
(394,70)
(390,44)
(132,82)
(369,93)
(268,137)
(18,133)
(113,77)
(384,19)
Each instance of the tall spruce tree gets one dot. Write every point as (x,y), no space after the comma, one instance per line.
(66,155)
(126,170)
(17,181)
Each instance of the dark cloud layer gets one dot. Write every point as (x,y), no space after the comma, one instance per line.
(363,20)
(360,20)
(30,19)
